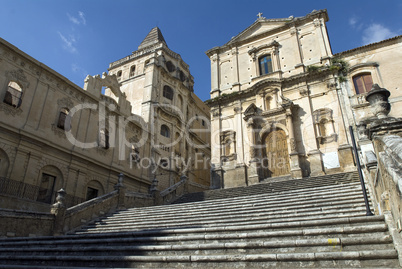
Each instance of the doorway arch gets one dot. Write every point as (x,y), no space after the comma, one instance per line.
(275,161)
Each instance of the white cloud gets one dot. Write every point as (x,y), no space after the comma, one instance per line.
(68,43)
(352,21)
(375,33)
(73,19)
(80,20)
(82,17)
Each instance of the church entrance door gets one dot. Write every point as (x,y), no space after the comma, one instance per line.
(277,156)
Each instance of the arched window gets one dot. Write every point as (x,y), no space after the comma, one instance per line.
(13,96)
(363,83)
(265,64)
(180,102)
(104,138)
(119,73)
(168,92)
(165,131)
(64,122)
(182,76)
(132,71)
(170,67)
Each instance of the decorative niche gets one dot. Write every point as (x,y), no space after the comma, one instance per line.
(324,125)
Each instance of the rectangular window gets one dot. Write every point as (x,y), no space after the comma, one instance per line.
(13,95)
(62,120)
(91,193)
(362,83)
(265,65)
(46,189)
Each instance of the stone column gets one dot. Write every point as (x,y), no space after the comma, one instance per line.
(295,169)
(253,177)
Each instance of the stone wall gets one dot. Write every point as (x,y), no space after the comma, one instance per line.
(16,223)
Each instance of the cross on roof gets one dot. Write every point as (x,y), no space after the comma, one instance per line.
(259,15)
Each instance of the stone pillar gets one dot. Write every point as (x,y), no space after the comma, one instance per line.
(215,83)
(253,176)
(239,135)
(58,209)
(295,169)
(216,169)
(121,192)
(236,84)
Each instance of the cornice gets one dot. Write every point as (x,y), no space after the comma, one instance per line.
(271,82)
(146,51)
(362,65)
(289,23)
(383,43)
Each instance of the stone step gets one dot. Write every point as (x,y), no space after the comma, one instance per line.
(284,224)
(252,202)
(270,187)
(245,247)
(275,210)
(212,222)
(252,214)
(256,200)
(323,228)
(339,226)
(264,204)
(347,259)
(267,208)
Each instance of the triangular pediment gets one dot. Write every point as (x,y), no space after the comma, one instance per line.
(251,110)
(259,27)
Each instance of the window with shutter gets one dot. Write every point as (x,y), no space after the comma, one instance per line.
(362,83)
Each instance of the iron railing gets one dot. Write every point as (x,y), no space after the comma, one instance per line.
(35,193)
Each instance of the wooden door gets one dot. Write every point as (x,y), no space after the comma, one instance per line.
(277,153)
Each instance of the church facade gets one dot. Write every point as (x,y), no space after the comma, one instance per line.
(55,134)
(281,102)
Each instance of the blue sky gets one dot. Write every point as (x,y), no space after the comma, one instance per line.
(80,37)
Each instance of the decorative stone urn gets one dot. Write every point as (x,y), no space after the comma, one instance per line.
(378,99)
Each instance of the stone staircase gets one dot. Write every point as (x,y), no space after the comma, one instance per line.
(310,223)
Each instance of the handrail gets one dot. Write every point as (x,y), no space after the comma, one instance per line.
(359,170)
(91,202)
(173,187)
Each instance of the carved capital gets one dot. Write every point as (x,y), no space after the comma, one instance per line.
(304,92)
(317,23)
(237,110)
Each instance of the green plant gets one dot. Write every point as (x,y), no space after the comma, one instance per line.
(313,68)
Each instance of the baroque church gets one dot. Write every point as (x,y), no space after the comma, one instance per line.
(282,103)
(141,119)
